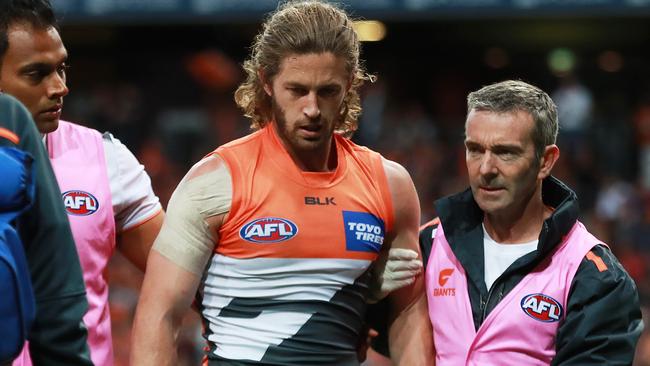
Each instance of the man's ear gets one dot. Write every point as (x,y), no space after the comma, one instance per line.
(548,160)
(265,83)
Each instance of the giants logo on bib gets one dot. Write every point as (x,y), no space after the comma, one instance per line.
(268,230)
(80,203)
(443,277)
(364,232)
(542,307)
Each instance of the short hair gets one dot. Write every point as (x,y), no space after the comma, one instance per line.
(301,27)
(515,95)
(38,13)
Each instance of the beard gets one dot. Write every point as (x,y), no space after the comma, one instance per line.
(293,133)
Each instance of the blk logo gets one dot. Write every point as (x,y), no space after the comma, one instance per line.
(542,307)
(80,203)
(320,201)
(443,277)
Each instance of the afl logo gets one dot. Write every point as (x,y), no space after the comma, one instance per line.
(80,203)
(541,307)
(268,230)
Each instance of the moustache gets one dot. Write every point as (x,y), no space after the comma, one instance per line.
(491,184)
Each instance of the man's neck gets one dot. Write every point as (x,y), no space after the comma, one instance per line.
(322,159)
(518,226)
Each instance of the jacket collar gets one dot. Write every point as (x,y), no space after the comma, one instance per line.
(461,218)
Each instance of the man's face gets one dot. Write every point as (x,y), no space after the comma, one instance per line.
(33,71)
(501,163)
(307,96)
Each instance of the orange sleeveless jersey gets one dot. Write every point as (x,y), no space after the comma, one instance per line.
(280,211)
(287,282)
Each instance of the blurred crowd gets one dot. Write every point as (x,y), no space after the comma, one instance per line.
(604,141)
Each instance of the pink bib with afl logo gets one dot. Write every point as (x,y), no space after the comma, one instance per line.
(77,156)
(521,329)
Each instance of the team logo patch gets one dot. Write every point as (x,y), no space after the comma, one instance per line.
(443,277)
(542,307)
(364,232)
(80,203)
(268,230)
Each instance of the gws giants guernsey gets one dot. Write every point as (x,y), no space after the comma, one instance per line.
(287,282)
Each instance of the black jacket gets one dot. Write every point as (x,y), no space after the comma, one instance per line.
(603,318)
(58,335)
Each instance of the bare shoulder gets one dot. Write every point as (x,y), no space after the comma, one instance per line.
(406,204)
(398,177)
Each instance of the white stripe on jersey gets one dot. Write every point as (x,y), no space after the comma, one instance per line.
(280,278)
(272,279)
(236,340)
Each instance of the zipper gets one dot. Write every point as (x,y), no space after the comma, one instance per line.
(487,302)
(484,305)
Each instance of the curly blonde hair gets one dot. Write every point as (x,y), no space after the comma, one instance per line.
(301,27)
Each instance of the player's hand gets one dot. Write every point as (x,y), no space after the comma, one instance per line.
(398,269)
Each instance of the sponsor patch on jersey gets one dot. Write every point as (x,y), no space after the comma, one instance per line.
(268,230)
(80,203)
(364,232)
(542,307)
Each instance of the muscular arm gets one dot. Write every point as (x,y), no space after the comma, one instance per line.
(177,261)
(409,327)
(167,293)
(58,335)
(135,243)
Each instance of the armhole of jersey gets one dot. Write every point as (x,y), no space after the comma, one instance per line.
(236,182)
(384,189)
